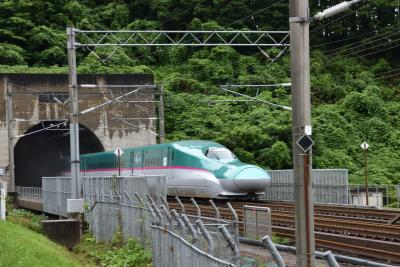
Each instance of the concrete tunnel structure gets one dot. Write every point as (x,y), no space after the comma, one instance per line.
(41,100)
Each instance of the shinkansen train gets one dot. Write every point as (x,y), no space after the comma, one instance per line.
(193,169)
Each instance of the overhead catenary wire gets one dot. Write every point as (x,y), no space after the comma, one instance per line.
(256,99)
(364,55)
(389,71)
(43,129)
(369,48)
(256,12)
(363,43)
(388,76)
(342,40)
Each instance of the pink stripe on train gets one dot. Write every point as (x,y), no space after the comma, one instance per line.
(147,168)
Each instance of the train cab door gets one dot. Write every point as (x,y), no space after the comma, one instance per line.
(165,162)
(171,179)
(170,159)
(137,165)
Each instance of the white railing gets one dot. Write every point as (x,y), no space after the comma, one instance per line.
(29,192)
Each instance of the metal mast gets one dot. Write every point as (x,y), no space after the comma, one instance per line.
(73,116)
(301,123)
(10,122)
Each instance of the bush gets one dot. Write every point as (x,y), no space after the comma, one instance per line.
(27,219)
(116,253)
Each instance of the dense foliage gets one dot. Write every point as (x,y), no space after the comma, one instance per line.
(350,105)
(116,253)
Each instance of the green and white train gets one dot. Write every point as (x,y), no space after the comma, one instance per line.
(193,169)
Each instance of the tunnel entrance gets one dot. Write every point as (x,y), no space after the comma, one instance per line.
(44,151)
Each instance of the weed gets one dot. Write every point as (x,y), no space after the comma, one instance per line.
(27,219)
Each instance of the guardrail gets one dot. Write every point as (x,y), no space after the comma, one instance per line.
(29,192)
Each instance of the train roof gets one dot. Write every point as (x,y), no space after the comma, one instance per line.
(197,143)
(186,144)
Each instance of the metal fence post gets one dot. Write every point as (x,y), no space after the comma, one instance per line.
(231,243)
(168,216)
(197,207)
(181,225)
(139,199)
(330,258)
(192,231)
(128,196)
(151,200)
(274,252)
(158,213)
(235,223)
(217,214)
(178,200)
(164,200)
(152,213)
(207,236)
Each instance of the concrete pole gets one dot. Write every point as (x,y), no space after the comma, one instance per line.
(10,122)
(301,117)
(161,114)
(73,116)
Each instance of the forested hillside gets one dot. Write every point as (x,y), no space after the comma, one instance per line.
(355,73)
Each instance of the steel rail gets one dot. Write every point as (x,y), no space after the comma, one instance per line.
(359,236)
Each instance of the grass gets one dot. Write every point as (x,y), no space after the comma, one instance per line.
(23,242)
(20,246)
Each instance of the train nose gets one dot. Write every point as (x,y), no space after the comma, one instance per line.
(252,179)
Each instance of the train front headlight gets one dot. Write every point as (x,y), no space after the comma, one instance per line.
(252,179)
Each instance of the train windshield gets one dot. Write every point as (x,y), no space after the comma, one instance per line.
(219,153)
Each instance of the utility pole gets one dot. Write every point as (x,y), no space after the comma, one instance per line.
(301,126)
(10,124)
(161,114)
(299,19)
(73,116)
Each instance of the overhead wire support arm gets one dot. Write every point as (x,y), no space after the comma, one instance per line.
(256,99)
(113,86)
(93,38)
(255,85)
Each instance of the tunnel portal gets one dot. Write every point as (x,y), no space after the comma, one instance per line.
(44,151)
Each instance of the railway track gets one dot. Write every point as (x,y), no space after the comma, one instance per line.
(361,232)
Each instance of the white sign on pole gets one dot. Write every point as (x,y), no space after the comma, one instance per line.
(364,145)
(308,130)
(118,152)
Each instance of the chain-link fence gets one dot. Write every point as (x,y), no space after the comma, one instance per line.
(170,250)
(117,204)
(130,205)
